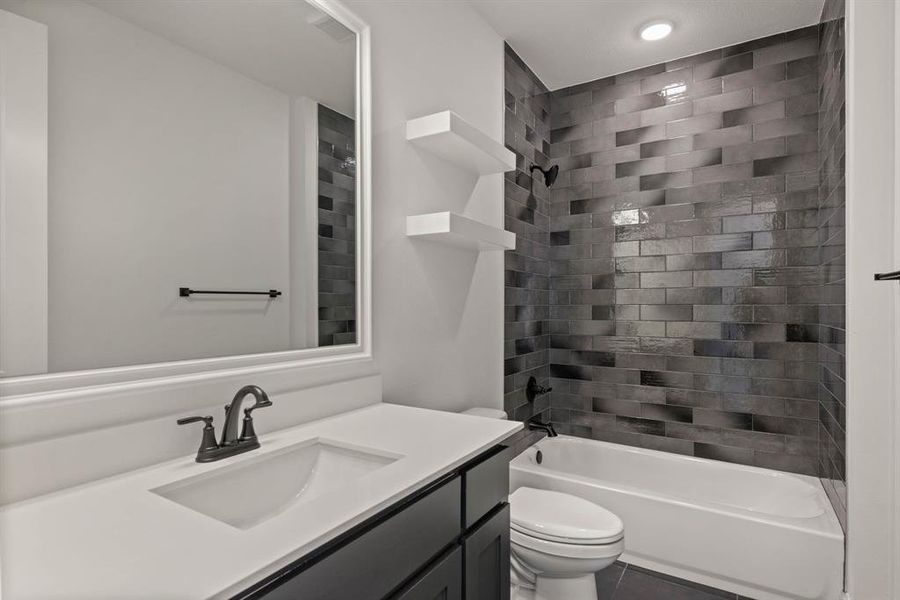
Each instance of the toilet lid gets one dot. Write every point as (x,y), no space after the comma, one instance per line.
(490,413)
(562,517)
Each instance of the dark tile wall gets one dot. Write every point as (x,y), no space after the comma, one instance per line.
(527,213)
(832,330)
(337,225)
(684,255)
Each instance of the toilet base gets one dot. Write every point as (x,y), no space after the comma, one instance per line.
(577,588)
(518,592)
(571,588)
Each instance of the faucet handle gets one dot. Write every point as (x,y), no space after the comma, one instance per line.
(533,390)
(208,420)
(208,441)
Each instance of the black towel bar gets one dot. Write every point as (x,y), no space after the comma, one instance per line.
(187,292)
(892,276)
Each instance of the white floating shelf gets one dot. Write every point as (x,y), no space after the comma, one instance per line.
(457,230)
(447,135)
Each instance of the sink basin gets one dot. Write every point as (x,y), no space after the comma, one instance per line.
(251,491)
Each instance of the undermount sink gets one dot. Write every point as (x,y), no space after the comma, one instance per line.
(254,490)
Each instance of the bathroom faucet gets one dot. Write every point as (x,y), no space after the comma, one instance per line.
(535,424)
(229,432)
(231,444)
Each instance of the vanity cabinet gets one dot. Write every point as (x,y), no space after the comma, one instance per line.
(448,541)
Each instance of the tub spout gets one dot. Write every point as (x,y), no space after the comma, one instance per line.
(536,424)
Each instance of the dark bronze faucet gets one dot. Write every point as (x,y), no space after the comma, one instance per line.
(231,444)
(534,423)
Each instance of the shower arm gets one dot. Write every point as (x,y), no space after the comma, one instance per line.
(538,168)
(549,174)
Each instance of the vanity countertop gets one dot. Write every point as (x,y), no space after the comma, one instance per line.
(116,539)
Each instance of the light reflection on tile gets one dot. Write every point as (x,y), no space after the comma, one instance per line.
(626,217)
(674,92)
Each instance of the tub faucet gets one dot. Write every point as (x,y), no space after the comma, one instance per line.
(535,424)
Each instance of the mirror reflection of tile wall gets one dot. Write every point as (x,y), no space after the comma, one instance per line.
(337,228)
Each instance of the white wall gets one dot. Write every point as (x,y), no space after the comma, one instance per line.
(303,231)
(438,327)
(896,389)
(23,195)
(165,170)
(872,453)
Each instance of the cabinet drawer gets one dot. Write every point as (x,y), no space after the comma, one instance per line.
(375,563)
(443,581)
(486,485)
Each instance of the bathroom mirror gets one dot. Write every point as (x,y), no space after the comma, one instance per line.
(180,182)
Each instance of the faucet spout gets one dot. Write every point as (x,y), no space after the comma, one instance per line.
(232,411)
(536,424)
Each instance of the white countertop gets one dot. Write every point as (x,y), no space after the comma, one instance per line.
(114,539)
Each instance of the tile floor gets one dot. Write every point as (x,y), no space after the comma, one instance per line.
(621,581)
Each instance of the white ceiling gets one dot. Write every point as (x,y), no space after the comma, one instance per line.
(572,41)
(270,41)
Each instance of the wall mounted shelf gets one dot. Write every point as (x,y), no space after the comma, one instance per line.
(457,230)
(447,135)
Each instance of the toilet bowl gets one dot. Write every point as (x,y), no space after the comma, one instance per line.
(557,543)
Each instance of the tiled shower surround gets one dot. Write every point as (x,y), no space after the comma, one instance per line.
(832,329)
(684,254)
(337,225)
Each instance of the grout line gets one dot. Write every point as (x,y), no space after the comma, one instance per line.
(619,581)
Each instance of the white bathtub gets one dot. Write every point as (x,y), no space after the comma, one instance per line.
(755,532)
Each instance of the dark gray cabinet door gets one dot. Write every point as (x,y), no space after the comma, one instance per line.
(372,565)
(443,581)
(486,558)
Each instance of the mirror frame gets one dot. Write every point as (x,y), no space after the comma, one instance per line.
(63,384)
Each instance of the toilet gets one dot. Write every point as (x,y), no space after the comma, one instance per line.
(557,543)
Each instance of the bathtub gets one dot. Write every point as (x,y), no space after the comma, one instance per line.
(759,533)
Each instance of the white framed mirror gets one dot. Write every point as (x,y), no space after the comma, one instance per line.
(184,189)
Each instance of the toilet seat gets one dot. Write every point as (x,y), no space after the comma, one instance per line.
(562,519)
(562,550)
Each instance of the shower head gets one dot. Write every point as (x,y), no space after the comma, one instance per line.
(549,174)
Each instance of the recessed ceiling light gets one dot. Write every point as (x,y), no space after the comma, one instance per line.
(656,30)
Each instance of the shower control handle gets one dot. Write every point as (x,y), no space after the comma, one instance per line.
(533,390)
